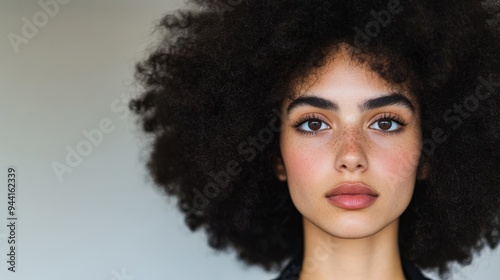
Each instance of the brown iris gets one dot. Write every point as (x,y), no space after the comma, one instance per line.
(314,125)
(385,125)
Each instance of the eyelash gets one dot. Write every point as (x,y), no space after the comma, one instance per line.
(394,118)
(384,117)
(302,120)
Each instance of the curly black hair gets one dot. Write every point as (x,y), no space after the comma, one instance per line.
(215,82)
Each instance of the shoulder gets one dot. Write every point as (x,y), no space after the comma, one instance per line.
(411,271)
(291,270)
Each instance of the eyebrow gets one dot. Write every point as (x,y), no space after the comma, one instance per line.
(394,98)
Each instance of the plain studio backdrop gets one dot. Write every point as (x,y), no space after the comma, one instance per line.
(85,206)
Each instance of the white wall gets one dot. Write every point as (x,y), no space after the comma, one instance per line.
(104,219)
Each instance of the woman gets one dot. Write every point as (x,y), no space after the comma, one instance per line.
(358,138)
(350,148)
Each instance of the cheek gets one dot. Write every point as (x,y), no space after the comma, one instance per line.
(305,162)
(397,168)
(300,164)
(306,167)
(399,162)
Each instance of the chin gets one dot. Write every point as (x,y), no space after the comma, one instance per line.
(353,232)
(354,227)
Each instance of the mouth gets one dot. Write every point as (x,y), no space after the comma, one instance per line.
(352,196)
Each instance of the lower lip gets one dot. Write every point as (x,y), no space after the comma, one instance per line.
(352,202)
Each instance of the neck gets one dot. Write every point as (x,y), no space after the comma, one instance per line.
(369,258)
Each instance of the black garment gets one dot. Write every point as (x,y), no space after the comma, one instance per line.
(292,270)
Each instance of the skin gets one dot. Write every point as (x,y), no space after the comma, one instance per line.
(350,146)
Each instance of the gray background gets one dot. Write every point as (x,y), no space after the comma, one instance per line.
(104,219)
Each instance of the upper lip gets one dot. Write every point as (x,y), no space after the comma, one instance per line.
(351,189)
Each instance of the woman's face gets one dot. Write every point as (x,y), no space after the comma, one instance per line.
(347,125)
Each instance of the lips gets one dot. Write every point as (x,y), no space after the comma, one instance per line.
(352,196)
(351,188)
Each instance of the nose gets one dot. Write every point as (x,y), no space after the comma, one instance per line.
(351,156)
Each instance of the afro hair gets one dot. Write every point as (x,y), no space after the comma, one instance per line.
(213,84)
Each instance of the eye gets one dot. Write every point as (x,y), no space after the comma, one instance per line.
(313,125)
(310,125)
(388,124)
